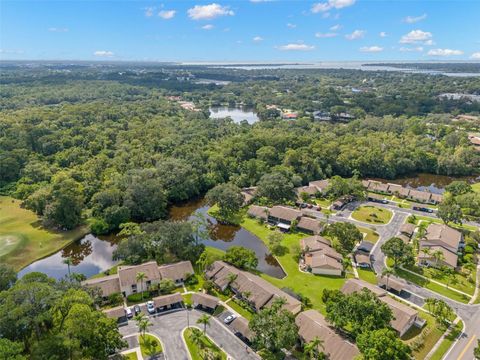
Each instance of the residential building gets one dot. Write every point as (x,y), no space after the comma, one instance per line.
(309,225)
(322,116)
(311,324)
(403,316)
(408,229)
(205,301)
(283,216)
(442,238)
(116,313)
(168,302)
(241,328)
(391,283)
(319,257)
(256,291)
(320,185)
(248,194)
(259,212)
(125,281)
(310,190)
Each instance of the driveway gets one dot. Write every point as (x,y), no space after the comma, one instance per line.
(169,328)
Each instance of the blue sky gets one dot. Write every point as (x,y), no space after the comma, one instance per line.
(326,30)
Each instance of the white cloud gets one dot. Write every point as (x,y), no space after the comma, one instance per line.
(10,51)
(325,35)
(257,39)
(331,4)
(429,42)
(296,47)
(207,27)
(383,34)
(149,11)
(444,52)
(103,53)
(414,19)
(208,12)
(167,14)
(357,34)
(411,49)
(291,26)
(335,27)
(417,36)
(475,56)
(371,49)
(60,30)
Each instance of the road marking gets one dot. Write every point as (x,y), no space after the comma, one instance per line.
(466,347)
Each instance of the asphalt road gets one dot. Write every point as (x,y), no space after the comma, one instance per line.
(169,328)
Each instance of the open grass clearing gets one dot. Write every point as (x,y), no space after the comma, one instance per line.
(447,342)
(428,219)
(367,275)
(307,284)
(205,342)
(131,356)
(370,234)
(476,187)
(242,310)
(149,345)
(24,240)
(372,214)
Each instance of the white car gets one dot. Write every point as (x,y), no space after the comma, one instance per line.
(150,307)
(229,319)
(128,313)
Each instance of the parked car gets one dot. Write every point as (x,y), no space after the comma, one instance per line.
(137,310)
(128,313)
(150,307)
(229,319)
(310,206)
(424,209)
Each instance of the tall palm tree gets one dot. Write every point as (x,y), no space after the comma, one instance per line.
(311,349)
(140,277)
(426,252)
(438,255)
(387,272)
(205,321)
(68,261)
(196,337)
(143,324)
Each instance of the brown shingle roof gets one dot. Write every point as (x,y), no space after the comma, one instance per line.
(311,324)
(361,257)
(404,238)
(393,282)
(449,257)
(310,190)
(310,224)
(165,300)
(260,212)
(407,229)
(322,260)
(176,271)
(394,188)
(378,186)
(321,185)
(128,274)
(437,198)
(205,300)
(402,313)
(240,325)
(285,213)
(443,235)
(115,312)
(356,285)
(420,195)
(314,243)
(108,284)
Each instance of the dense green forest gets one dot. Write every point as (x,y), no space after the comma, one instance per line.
(104,142)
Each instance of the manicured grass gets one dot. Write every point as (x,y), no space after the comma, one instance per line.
(194,349)
(245,312)
(462,283)
(476,187)
(367,275)
(187,299)
(370,235)
(419,218)
(131,356)
(23,239)
(149,345)
(372,214)
(323,203)
(447,342)
(427,337)
(307,284)
(110,271)
(432,286)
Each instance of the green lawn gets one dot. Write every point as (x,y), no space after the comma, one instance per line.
(431,286)
(149,345)
(323,203)
(419,218)
(461,284)
(370,235)
(111,271)
(476,187)
(131,356)
(245,312)
(187,299)
(372,214)
(304,283)
(23,239)
(194,349)
(447,342)
(367,275)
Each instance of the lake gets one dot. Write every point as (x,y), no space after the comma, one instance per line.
(92,255)
(236,113)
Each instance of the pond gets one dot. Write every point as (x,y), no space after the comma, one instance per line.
(92,255)
(236,113)
(433,183)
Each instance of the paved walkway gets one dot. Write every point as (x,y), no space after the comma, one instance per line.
(169,328)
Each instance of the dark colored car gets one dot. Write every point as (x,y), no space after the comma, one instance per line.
(137,310)
(424,209)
